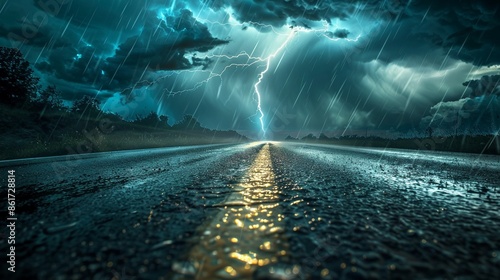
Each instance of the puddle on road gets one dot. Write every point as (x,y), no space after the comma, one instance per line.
(246,234)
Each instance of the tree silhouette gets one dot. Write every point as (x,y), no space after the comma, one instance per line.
(153,120)
(429,131)
(322,136)
(49,98)
(86,104)
(17,83)
(310,136)
(188,122)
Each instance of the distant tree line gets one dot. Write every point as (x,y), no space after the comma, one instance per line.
(462,143)
(20,88)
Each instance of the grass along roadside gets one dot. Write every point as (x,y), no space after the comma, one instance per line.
(25,134)
(120,140)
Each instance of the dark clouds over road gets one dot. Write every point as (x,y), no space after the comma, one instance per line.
(370,65)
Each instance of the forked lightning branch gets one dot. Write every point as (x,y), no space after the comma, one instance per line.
(11,220)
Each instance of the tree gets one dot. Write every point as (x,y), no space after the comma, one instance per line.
(86,104)
(17,83)
(310,136)
(188,122)
(164,120)
(429,131)
(50,98)
(322,136)
(153,120)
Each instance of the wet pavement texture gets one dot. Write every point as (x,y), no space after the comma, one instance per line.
(257,211)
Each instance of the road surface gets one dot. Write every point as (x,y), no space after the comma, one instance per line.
(255,211)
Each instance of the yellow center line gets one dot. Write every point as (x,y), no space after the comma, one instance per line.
(247,232)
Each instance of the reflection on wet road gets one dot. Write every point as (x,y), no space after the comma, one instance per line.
(257,211)
(248,230)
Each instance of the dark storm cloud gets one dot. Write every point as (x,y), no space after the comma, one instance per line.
(338,34)
(277,13)
(478,113)
(487,85)
(471,28)
(341,33)
(464,30)
(468,30)
(166,50)
(73,65)
(159,47)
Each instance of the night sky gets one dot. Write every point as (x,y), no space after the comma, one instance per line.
(339,67)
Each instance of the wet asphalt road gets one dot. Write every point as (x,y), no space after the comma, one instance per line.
(256,211)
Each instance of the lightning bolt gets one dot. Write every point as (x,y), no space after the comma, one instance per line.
(261,77)
(273,55)
(250,61)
